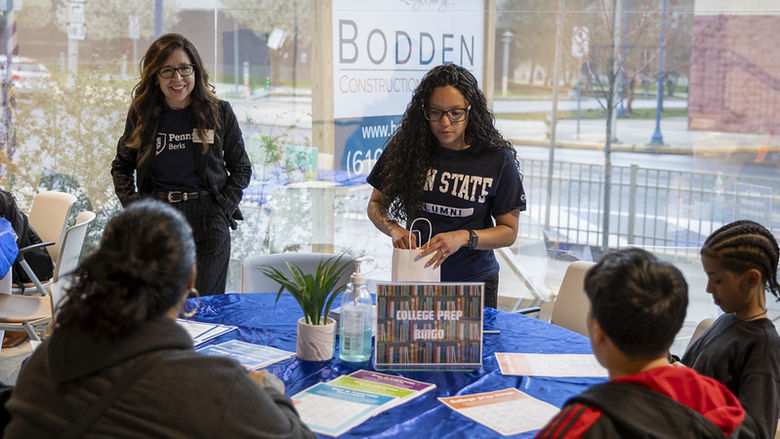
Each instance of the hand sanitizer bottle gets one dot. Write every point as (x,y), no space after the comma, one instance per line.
(356,321)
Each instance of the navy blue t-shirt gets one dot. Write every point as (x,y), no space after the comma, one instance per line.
(174,165)
(466,190)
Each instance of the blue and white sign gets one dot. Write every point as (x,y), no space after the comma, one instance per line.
(381,51)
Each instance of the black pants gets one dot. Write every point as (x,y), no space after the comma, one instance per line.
(212,242)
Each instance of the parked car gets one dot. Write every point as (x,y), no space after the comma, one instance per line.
(25,72)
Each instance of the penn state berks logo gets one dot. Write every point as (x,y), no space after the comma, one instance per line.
(159,143)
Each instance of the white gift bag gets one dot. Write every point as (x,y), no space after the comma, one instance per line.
(408,266)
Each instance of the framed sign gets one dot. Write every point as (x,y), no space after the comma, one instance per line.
(380,51)
(429,326)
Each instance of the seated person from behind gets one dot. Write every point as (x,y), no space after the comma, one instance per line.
(638,305)
(118,321)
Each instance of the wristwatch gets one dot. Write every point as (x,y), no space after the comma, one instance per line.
(473,239)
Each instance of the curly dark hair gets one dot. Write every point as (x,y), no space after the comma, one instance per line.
(148,99)
(139,272)
(409,152)
(742,245)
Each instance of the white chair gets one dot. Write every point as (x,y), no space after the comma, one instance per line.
(31,314)
(48,215)
(67,259)
(254,281)
(700,329)
(571,305)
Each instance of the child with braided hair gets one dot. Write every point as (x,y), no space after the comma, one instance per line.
(742,348)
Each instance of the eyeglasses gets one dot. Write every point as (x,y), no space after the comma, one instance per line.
(454,115)
(184,70)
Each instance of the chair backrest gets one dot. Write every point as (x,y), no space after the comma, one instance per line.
(572,305)
(254,281)
(700,328)
(47,217)
(72,243)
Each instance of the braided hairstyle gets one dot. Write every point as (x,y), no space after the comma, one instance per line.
(409,152)
(745,244)
(140,271)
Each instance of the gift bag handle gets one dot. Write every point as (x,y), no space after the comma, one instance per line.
(411,227)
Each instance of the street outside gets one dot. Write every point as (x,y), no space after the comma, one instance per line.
(577,141)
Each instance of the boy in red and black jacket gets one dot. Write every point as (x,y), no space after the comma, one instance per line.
(638,305)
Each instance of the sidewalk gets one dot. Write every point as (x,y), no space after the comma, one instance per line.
(635,135)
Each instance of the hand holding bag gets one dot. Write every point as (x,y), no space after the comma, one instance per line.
(408,266)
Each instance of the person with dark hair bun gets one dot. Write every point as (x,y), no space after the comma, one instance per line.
(184,146)
(448,163)
(637,306)
(742,348)
(116,337)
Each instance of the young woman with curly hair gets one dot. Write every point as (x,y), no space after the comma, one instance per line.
(184,146)
(449,164)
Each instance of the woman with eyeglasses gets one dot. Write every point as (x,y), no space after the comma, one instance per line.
(183,145)
(448,163)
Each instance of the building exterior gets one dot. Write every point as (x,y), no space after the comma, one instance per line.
(731,49)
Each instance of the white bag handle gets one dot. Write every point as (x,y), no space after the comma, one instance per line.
(411,228)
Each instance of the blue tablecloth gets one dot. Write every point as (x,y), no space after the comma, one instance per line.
(262,322)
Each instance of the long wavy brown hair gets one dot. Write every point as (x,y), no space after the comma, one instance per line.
(409,152)
(148,99)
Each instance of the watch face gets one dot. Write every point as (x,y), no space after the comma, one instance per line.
(473,239)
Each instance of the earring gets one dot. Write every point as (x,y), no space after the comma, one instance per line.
(193,293)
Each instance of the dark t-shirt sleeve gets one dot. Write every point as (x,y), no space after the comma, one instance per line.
(374,178)
(745,356)
(510,194)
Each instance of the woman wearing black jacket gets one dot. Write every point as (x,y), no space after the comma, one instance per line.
(183,145)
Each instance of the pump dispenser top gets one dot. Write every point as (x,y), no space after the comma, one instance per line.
(356,277)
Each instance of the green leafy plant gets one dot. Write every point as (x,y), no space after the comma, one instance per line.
(316,292)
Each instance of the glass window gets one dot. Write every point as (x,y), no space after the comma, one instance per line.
(664,116)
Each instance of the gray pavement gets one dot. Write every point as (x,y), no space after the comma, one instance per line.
(280,107)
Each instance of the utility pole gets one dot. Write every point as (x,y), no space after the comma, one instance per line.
(554,116)
(10,50)
(657,138)
(506,38)
(611,122)
(76,32)
(158,21)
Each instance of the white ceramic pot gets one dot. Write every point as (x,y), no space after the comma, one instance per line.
(315,342)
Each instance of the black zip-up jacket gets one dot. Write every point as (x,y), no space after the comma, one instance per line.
(224,166)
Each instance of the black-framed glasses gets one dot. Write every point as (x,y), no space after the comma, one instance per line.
(454,115)
(184,70)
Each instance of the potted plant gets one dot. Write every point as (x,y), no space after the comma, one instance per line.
(315,294)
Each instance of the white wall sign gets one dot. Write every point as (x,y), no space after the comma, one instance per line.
(75,13)
(381,49)
(276,38)
(580,38)
(76,31)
